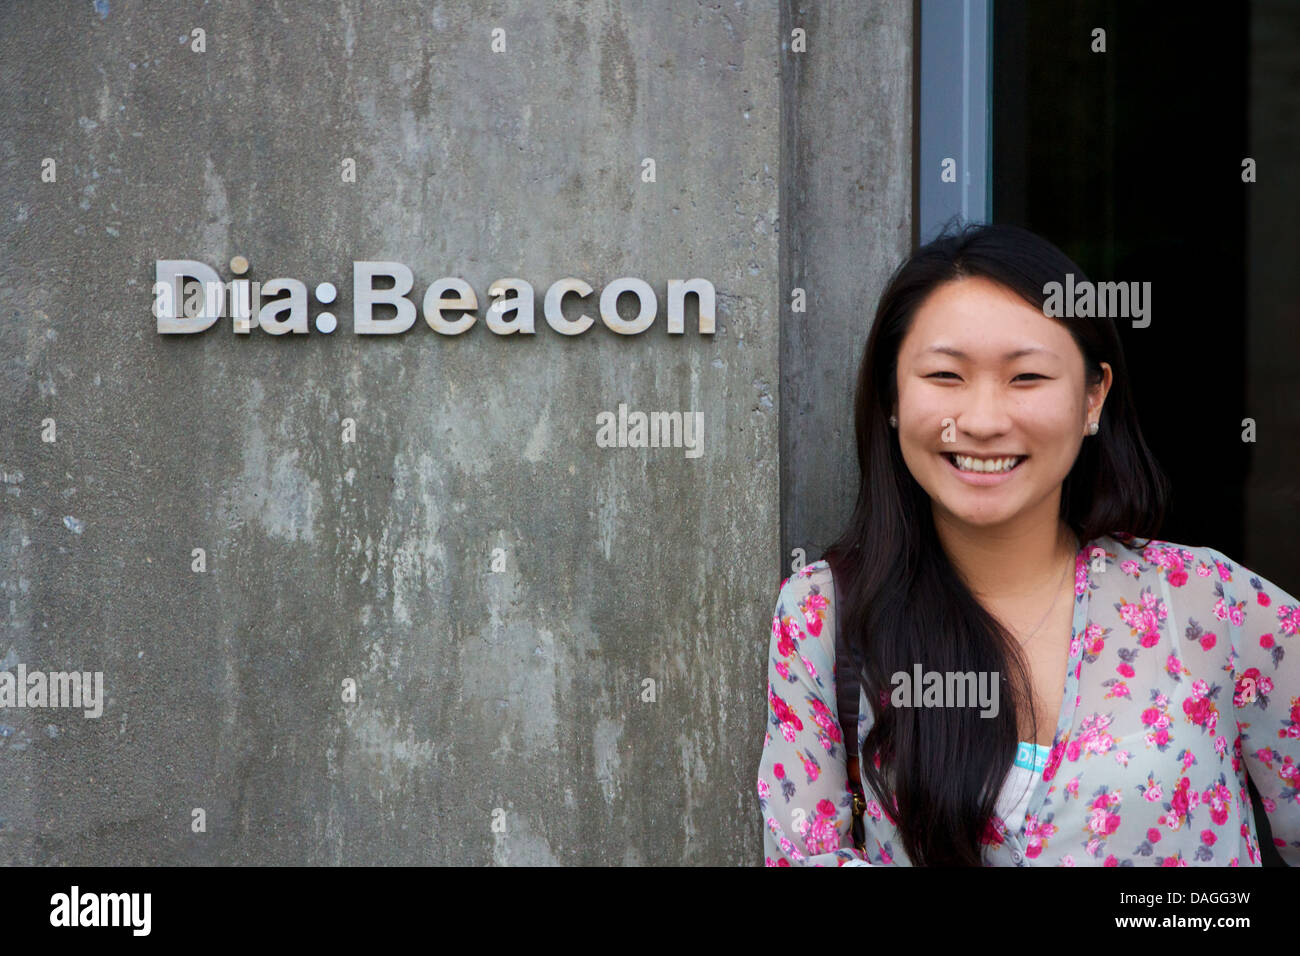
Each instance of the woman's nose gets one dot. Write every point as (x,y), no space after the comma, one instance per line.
(983,410)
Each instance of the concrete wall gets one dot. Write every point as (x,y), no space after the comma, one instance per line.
(846,181)
(518,690)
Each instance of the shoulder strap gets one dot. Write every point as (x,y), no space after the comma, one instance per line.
(847,683)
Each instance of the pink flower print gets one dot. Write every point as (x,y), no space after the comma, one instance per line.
(778,771)
(822,835)
(814,610)
(1262,596)
(1292,730)
(1288,619)
(1125,669)
(1130,567)
(1154,554)
(1173,666)
(783,669)
(1036,835)
(1225,571)
(1236,615)
(827,721)
(1122,758)
(1184,799)
(790,851)
(1072,788)
(1266,641)
(1102,821)
(1248,685)
(1093,738)
(1053,760)
(787,718)
(1201,711)
(812,670)
(1203,570)
(811,766)
(873,810)
(1217,798)
(1208,837)
(1177,578)
(1208,640)
(1153,835)
(1080,574)
(994,832)
(1094,639)
(789,633)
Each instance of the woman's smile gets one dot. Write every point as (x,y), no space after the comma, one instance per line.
(983,471)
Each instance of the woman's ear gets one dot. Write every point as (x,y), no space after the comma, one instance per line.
(1097,393)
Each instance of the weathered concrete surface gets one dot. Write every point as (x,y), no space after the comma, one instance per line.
(846,180)
(519,690)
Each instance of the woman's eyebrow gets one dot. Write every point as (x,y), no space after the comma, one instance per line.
(1018,353)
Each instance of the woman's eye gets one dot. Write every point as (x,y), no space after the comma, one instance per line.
(1029,375)
(938,374)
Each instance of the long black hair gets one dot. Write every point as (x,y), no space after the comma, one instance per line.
(938,771)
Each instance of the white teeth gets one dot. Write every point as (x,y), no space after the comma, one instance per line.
(966,463)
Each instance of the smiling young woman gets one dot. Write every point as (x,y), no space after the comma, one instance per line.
(999,452)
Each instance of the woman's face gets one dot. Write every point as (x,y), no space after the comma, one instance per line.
(984,375)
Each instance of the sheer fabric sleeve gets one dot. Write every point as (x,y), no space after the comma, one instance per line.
(1262,620)
(802,778)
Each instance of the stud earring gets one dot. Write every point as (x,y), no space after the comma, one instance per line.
(1092,428)
(893,421)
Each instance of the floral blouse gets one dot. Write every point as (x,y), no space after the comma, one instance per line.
(1184,677)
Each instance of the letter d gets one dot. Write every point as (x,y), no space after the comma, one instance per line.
(170,271)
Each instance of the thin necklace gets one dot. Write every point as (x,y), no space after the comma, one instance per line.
(1055,598)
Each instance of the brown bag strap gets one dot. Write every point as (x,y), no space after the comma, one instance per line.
(847,691)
